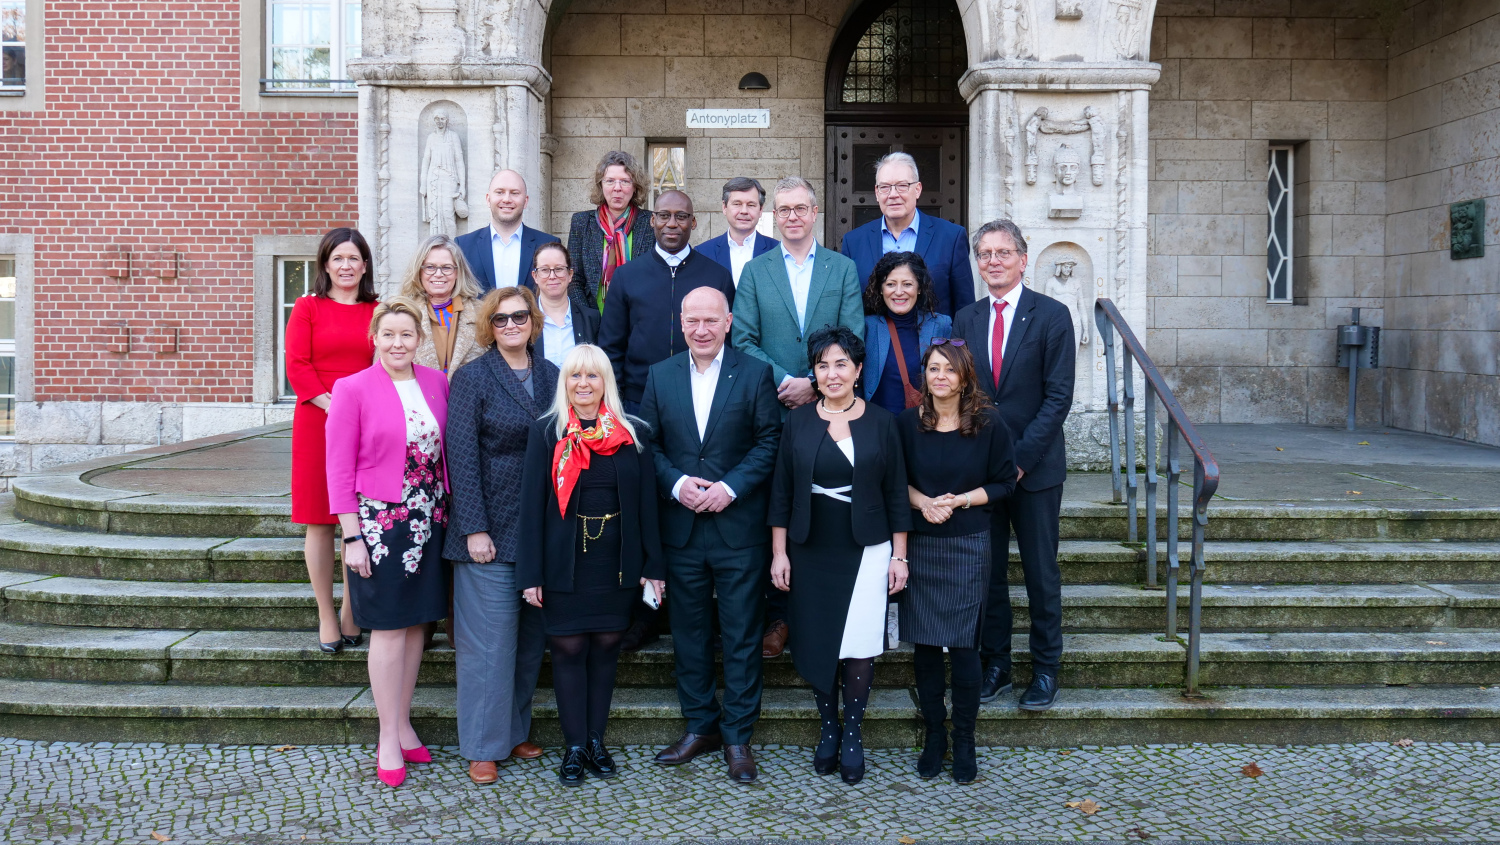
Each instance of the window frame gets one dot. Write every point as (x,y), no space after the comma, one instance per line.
(667,146)
(1285,203)
(283,315)
(9,346)
(339,83)
(32,96)
(13,89)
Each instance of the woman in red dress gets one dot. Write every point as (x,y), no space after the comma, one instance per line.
(327,338)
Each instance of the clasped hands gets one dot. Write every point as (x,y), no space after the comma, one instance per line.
(703,496)
(937,509)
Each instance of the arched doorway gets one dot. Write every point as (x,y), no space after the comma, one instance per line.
(892,85)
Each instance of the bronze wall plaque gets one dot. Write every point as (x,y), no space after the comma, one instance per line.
(1466,229)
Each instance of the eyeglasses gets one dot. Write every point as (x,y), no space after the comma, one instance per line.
(947,341)
(439,269)
(894,188)
(520,318)
(786,211)
(664,217)
(997,255)
(552,272)
(618,183)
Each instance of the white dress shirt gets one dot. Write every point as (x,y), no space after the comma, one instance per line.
(704,384)
(800,275)
(557,338)
(506,254)
(1011,300)
(674,259)
(739,254)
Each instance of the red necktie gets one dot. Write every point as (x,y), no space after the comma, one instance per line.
(997,341)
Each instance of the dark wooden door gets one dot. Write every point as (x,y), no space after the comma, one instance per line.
(852,153)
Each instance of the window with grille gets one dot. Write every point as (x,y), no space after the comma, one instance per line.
(13,46)
(7,346)
(668,167)
(913,52)
(294,278)
(1279,183)
(308,44)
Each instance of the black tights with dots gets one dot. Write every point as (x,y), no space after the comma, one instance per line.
(857,676)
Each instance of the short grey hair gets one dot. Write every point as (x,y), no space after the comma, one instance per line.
(899,158)
(792,183)
(1007,227)
(742,183)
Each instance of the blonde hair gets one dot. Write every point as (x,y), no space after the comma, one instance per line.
(464,285)
(588,358)
(484,333)
(397,305)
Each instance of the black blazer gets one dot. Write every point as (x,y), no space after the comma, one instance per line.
(586,246)
(1036,380)
(489,420)
(585,327)
(481,258)
(738,446)
(544,551)
(880,504)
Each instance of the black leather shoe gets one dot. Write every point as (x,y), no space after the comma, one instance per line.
(571,772)
(996,682)
(332,648)
(355,641)
(1042,693)
(597,760)
(826,757)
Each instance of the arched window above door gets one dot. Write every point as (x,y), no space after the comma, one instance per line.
(911,52)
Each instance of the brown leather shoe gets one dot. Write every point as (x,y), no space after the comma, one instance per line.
(526,751)
(741,763)
(774,642)
(690,746)
(483,771)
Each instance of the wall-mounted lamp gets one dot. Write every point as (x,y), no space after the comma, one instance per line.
(754,81)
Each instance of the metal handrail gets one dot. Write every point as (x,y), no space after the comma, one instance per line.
(1205,473)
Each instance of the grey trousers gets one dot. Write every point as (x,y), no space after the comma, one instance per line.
(499,642)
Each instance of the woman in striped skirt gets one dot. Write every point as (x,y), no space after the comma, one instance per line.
(959,459)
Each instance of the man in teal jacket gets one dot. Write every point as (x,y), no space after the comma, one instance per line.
(788,293)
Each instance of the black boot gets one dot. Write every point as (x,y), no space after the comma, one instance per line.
(965,717)
(929,668)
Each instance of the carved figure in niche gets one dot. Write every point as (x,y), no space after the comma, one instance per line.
(1069,10)
(502,40)
(1096,144)
(1466,230)
(1041,123)
(1065,164)
(442,179)
(1067,289)
(1127,29)
(1033,126)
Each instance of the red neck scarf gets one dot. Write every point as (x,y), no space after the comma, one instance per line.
(616,249)
(571,455)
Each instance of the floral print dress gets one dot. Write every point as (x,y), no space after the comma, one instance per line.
(408,583)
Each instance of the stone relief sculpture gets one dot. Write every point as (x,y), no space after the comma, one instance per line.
(1016,29)
(438,36)
(1033,126)
(1066,288)
(1065,203)
(1041,123)
(1126,34)
(442,178)
(1096,145)
(1069,10)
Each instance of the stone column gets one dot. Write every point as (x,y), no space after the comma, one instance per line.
(1061,149)
(449,92)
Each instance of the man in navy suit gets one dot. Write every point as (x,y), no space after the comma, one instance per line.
(743,200)
(901,228)
(1023,358)
(500,253)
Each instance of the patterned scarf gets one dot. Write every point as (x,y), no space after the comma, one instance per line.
(617,243)
(571,455)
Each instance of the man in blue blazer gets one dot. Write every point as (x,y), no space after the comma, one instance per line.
(743,200)
(1024,353)
(902,228)
(500,253)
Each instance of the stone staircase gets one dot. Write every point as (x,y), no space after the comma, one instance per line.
(139,605)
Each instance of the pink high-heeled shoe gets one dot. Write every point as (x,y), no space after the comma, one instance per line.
(420,754)
(390,777)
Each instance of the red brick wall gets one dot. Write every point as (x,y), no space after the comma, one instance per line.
(142,145)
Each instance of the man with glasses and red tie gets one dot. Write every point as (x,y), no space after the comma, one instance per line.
(1023,348)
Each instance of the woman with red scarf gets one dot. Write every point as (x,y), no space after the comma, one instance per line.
(616,230)
(590,485)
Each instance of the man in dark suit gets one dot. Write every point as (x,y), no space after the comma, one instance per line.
(743,201)
(500,253)
(715,422)
(943,245)
(1023,357)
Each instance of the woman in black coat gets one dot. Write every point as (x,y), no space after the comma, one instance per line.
(839,517)
(615,230)
(588,501)
(492,403)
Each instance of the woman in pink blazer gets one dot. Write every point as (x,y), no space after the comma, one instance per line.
(388,486)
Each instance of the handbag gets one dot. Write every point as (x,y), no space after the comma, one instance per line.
(913,395)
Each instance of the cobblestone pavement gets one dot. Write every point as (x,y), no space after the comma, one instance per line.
(98,793)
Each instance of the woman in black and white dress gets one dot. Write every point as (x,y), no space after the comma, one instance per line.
(960,460)
(839,518)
